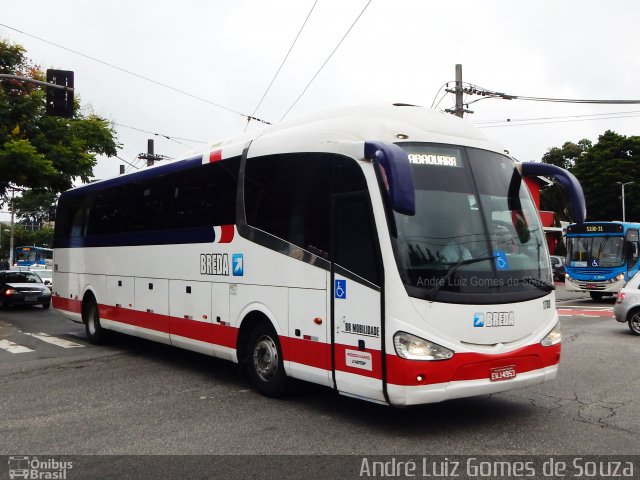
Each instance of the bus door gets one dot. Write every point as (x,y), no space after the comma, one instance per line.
(631,240)
(356,301)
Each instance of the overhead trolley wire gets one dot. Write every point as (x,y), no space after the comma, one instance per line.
(472,89)
(168,137)
(125,161)
(326,61)
(283,62)
(599,116)
(164,85)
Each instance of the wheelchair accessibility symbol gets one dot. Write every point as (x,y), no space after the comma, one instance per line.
(340,289)
(501,260)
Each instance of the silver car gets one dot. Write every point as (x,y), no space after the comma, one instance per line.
(627,306)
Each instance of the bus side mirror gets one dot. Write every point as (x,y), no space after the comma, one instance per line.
(566,179)
(398,177)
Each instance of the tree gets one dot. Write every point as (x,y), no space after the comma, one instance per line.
(615,158)
(38,151)
(552,198)
(35,206)
(600,168)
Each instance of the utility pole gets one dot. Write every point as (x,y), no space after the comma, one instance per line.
(624,216)
(11,233)
(459,111)
(459,92)
(150,157)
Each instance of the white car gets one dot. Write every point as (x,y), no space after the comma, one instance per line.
(45,275)
(627,306)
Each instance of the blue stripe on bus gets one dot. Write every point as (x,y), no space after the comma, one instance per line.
(135,177)
(156,237)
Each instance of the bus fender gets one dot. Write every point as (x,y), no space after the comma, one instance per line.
(250,316)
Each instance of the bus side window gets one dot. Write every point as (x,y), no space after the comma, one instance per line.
(206,196)
(288,196)
(354,236)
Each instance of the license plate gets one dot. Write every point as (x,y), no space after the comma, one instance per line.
(30,299)
(502,373)
(591,285)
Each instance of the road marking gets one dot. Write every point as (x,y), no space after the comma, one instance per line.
(13,347)
(578,312)
(60,342)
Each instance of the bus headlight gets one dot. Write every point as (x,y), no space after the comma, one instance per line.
(553,337)
(415,348)
(620,276)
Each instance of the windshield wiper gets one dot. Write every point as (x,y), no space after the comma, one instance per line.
(452,269)
(539,283)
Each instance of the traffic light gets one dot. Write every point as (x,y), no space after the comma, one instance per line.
(60,100)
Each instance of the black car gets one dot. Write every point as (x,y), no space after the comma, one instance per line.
(557,264)
(23,288)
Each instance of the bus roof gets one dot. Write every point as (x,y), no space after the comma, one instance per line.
(389,123)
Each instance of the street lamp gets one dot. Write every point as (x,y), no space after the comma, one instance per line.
(623,210)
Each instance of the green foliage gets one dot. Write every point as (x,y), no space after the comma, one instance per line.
(600,168)
(552,198)
(38,151)
(615,158)
(35,206)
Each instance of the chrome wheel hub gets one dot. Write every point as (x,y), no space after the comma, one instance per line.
(265,358)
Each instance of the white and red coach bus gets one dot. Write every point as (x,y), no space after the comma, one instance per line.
(392,253)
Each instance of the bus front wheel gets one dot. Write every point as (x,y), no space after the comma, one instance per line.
(596,296)
(264,361)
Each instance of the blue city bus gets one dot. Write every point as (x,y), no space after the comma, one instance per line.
(29,256)
(601,257)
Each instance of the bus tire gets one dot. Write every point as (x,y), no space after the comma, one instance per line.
(596,296)
(634,322)
(46,305)
(91,317)
(264,361)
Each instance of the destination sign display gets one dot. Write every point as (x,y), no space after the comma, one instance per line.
(595,228)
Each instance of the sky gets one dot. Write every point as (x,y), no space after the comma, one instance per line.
(225,53)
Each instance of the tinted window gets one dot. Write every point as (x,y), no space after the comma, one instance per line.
(203,196)
(207,195)
(289,196)
(354,235)
(108,212)
(67,208)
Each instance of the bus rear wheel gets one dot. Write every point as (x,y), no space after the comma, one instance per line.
(264,361)
(95,333)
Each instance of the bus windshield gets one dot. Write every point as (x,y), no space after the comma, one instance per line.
(606,251)
(26,256)
(475,232)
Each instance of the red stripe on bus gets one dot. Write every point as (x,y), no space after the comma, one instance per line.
(151,321)
(227,233)
(462,367)
(469,366)
(306,352)
(341,361)
(215,156)
(215,334)
(66,304)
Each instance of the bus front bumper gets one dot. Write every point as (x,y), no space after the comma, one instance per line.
(609,286)
(411,382)
(402,395)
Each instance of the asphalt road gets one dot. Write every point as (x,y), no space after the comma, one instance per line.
(137,397)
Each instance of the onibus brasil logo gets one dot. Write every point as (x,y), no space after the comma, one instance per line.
(38,469)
